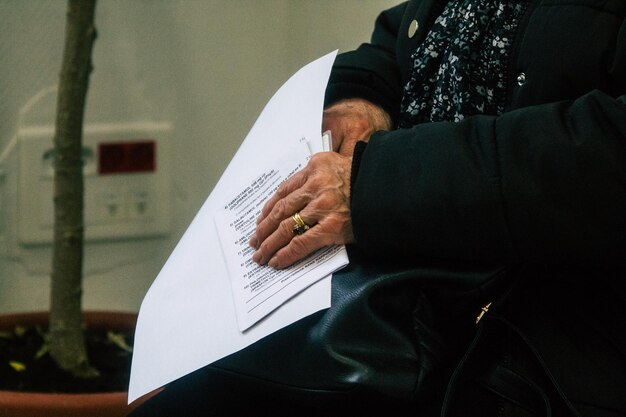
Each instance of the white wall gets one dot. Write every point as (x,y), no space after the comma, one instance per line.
(208,67)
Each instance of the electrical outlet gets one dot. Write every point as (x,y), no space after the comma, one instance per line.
(141,205)
(125,165)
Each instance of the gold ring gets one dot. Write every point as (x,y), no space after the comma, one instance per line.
(300,226)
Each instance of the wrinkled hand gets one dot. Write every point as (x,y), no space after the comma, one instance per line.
(321,194)
(352,120)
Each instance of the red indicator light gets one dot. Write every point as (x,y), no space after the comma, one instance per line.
(127,157)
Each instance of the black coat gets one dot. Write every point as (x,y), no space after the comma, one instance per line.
(540,189)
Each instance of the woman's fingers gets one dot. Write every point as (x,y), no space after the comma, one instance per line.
(335,228)
(320,194)
(299,247)
(281,237)
(296,181)
(279,208)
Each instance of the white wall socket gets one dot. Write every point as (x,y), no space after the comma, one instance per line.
(127,181)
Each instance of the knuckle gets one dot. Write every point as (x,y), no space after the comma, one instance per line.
(317,181)
(299,247)
(326,203)
(286,229)
(261,232)
(283,188)
(319,159)
(315,159)
(278,212)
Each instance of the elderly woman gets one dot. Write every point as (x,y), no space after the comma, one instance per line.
(480,182)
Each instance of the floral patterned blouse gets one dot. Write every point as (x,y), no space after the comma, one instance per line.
(460,68)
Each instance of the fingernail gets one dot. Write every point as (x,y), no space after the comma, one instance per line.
(256,257)
(254,241)
(273,262)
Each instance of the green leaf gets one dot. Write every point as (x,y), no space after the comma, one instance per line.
(19,331)
(17,366)
(118,340)
(45,348)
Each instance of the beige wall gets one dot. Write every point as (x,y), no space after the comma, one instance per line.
(206,66)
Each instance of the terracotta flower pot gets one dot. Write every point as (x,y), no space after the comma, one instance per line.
(112,404)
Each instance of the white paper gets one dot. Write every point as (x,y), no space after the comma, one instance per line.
(259,290)
(187,319)
(327,141)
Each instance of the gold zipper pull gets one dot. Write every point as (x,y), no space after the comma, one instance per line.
(482,312)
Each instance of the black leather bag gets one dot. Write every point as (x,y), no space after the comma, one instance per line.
(403,340)
(392,336)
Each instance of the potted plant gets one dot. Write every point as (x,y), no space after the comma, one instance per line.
(26,364)
(64,339)
(67,345)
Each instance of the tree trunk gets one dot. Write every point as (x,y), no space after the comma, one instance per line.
(67,345)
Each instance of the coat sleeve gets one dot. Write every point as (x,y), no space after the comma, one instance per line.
(371,71)
(545,183)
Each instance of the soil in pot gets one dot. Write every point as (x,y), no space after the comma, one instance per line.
(26,366)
